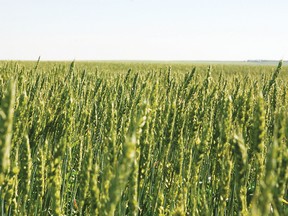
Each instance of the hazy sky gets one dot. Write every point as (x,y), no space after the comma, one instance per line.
(143,29)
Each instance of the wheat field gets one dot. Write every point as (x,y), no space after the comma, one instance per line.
(139,138)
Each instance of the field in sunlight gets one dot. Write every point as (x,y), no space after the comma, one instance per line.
(143,138)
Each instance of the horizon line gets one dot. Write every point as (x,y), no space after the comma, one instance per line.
(146,60)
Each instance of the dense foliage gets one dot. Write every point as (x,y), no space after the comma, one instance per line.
(103,139)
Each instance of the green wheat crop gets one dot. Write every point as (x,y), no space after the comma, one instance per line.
(94,138)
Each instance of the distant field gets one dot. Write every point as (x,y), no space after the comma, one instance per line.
(143,138)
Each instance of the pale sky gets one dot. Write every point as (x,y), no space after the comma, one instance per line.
(143,29)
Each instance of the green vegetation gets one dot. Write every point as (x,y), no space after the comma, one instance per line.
(96,138)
